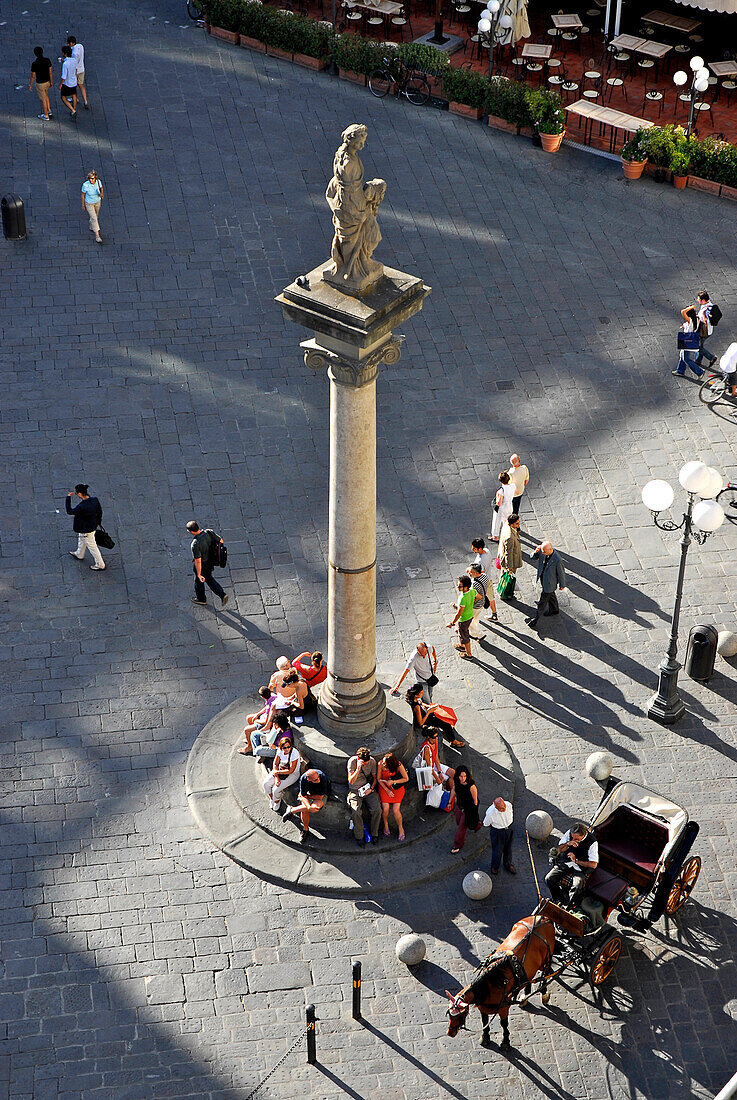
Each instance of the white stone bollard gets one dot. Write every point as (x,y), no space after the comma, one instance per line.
(477,885)
(727,643)
(410,949)
(539,825)
(599,766)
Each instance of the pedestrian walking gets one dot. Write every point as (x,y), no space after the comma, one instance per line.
(502,505)
(87,518)
(78,55)
(204,554)
(510,557)
(466,808)
(709,315)
(498,819)
(92,196)
(423,664)
(68,87)
(519,475)
(479,584)
(688,348)
(463,616)
(551,575)
(42,75)
(363,777)
(483,557)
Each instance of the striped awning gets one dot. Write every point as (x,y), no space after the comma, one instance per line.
(728,7)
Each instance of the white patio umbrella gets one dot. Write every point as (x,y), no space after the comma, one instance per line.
(520,28)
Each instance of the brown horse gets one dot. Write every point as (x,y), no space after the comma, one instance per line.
(527,950)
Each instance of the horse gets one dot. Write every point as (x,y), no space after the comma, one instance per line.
(527,950)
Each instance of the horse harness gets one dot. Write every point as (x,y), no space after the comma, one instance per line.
(517,966)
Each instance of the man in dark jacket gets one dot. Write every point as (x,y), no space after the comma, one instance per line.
(204,554)
(551,575)
(87,517)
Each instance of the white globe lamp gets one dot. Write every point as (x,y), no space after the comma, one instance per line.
(701,85)
(484,25)
(696,63)
(703,73)
(716,484)
(506,22)
(493,6)
(657,495)
(680,78)
(708,516)
(694,476)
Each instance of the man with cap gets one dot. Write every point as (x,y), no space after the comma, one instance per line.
(87,518)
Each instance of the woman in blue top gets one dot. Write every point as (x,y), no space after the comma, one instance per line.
(92,194)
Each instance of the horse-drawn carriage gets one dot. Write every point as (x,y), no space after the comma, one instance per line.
(644,871)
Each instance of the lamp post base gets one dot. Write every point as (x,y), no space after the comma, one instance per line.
(666,705)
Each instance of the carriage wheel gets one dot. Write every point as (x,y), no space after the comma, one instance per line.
(684,884)
(606,960)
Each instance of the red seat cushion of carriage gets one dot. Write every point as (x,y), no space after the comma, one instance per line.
(606,887)
(633,837)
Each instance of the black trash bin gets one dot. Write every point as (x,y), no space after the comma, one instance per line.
(14,218)
(701,652)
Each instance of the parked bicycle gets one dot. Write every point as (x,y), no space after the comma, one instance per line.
(717,385)
(196,9)
(727,497)
(405,81)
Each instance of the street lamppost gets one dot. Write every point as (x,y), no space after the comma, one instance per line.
(699,84)
(488,23)
(699,521)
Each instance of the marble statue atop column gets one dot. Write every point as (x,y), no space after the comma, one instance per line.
(354,205)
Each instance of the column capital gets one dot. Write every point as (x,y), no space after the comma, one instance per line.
(351,372)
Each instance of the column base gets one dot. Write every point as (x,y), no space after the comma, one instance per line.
(345,715)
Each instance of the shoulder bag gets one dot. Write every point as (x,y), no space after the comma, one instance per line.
(103,539)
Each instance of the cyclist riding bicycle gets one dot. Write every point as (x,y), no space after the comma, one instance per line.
(728,366)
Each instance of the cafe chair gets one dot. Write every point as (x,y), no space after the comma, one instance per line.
(615,83)
(401,20)
(653,97)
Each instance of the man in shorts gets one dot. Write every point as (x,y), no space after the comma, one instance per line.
(463,616)
(78,55)
(43,77)
(68,89)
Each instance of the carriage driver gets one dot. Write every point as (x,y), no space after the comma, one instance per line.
(578,856)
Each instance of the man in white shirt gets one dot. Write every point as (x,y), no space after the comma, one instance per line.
(705,329)
(519,475)
(498,819)
(423,665)
(68,89)
(78,55)
(578,856)
(728,363)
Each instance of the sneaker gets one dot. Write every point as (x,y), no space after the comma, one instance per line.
(44,117)
(86,106)
(100,567)
(224,601)
(202,603)
(679,373)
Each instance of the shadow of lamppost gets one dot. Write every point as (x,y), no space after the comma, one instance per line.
(699,521)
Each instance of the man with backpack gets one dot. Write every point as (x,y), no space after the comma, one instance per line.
(207,552)
(709,317)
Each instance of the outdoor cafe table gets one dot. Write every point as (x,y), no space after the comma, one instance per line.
(567,22)
(383,7)
(673,22)
(723,68)
(645,46)
(537,50)
(606,116)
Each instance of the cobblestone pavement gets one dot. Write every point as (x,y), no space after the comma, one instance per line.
(138,962)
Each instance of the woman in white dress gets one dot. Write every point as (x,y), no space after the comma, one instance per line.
(502,505)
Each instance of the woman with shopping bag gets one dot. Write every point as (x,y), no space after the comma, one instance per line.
(437,717)
(442,775)
(510,558)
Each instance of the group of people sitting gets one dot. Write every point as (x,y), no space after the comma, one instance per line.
(289,694)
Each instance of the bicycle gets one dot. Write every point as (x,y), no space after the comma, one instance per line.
(729,505)
(407,82)
(714,387)
(196,10)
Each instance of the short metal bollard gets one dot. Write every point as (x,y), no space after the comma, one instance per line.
(356,991)
(311,1046)
(14,218)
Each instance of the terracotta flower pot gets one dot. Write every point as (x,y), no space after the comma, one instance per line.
(551,143)
(711,187)
(729,192)
(225,36)
(355,78)
(251,44)
(276,51)
(465,111)
(501,124)
(633,169)
(679,182)
(307,62)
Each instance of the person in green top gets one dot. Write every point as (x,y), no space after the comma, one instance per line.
(463,616)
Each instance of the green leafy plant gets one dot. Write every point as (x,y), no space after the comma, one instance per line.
(358,54)
(635,149)
(507,99)
(715,159)
(224,13)
(683,149)
(660,144)
(546,111)
(466,86)
(426,59)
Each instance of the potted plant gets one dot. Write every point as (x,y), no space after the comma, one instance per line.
(223,17)
(507,105)
(548,118)
(466,91)
(634,155)
(680,158)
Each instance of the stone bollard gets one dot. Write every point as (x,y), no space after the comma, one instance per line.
(599,766)
(727,643)
(477,885)
(410,949)
(539,825)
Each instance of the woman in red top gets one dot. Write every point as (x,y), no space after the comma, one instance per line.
(311,668)
(392,779)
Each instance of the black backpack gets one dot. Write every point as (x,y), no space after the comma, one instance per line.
(715,315)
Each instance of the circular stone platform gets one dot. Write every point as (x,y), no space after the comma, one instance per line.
(227,802)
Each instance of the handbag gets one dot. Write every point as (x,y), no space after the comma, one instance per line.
(688,341)
(424,778)
(446,714)
(221,555)
(432,679)
(435,796)
(506,586)
(103,539)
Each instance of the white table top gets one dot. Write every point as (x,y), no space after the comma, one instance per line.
(723,68)
(608,116)
(566,22)
(675,22)
(644,46)
(384,7)
(538,50)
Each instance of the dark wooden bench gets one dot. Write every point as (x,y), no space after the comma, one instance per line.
(630,846)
